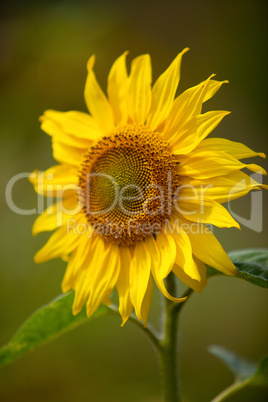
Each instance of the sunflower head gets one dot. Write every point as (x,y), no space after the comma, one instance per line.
(147,181)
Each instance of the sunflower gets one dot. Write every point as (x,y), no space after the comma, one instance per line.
(136,185)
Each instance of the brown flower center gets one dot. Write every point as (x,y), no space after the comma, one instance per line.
(127,182)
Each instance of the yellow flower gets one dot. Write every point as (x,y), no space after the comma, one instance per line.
(137,181)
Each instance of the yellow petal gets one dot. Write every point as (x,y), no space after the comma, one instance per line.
(184,256)
(167,249)
(147,301)
(107,299)
(139,276)
(78,272)
(187,105)
(68,144)
(195,130)
(212,88)
(65,257)
(235,149)
(117,89)
(186,266)
(194,284)
(55,131)
(67,154)
(160,260)
(205,211)
(56,215)
(256,169)
(77,264)
(163,93)
(139,91)
(207,248)
(58,181)
(102,276)
(221,189)
(75,124)
(205,164)
(122,285)
(96,101)
(61,242)
(95,285)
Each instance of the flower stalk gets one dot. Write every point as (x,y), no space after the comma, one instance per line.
(168,350)
(168,345)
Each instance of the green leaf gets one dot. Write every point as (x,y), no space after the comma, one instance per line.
(245,372)
(261,375)
(251,255)
(238,365)
(45,324)
(251,264)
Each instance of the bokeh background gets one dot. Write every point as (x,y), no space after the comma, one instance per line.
(44,49)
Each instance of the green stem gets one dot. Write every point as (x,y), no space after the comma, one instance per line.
(166,345)
(149,330)
(168,351)
(230,391)
(178,306)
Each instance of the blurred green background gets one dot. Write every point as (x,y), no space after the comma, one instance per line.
(44,49)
